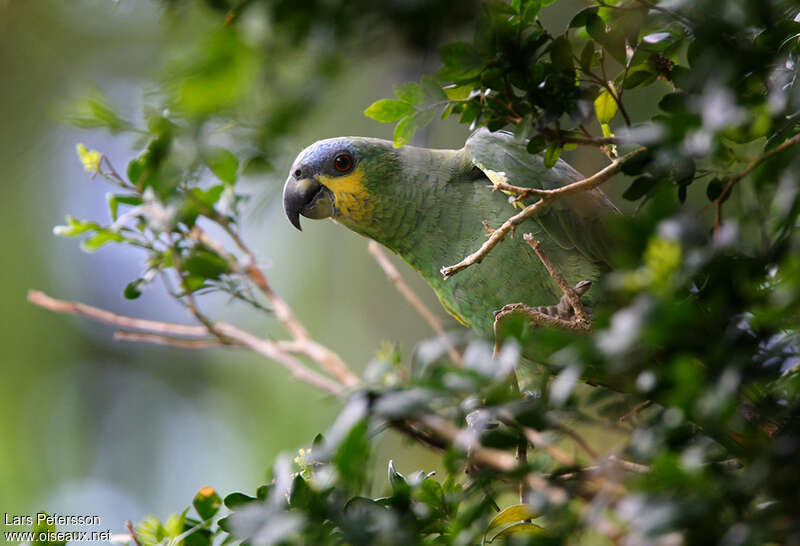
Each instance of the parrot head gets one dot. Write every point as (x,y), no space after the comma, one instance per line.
(339,178)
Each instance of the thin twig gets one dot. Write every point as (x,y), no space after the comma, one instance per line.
(752,165)
(634,411)
(630,466)
(547,197)
(181,343)
(129,527)
(101,315)
(522,446)
(268,348)
(394,276)
(537,440)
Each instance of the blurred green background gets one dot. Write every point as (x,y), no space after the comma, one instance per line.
(88,425)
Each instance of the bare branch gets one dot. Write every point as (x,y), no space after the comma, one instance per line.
(181,343)
(394,275)
(101,315)
(546,198)
(129,528)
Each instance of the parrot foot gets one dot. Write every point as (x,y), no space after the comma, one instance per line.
(563,315)
(568,314)
(564,310)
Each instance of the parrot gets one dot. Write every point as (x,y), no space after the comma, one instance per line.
(432,207)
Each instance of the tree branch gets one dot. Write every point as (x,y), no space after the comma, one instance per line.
(165,331)
(181,343)
(101,315)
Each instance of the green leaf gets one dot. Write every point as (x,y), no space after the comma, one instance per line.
(612,40)
(222,163)
(404,131)
(673,102)
(207,502)
(582,17)
(551,155)
(639,76)
(521,528)
(101,238)
(432,89)
(388,110)
(512,514)
(605,107)
(536,144)
(133,289)
(174,524)
(43,533)
(715,187)
(461,61)
(115,200)
(587,56)
(135,170)
(350,459)
(458,92)
(208,198)
(640,187)
(75,227)
(561,53)
(237,500)
(409,92)
(205,263)
(637,163)
(300,494)
(530,10)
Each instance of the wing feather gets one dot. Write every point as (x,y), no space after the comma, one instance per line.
(579,222)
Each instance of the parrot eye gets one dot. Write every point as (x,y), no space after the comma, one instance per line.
(343,162)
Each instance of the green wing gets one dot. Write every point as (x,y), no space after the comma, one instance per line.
(579,222)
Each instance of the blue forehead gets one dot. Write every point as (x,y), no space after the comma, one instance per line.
(322,152)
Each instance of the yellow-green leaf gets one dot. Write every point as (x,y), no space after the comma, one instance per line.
(605,107)
(459,92)
(512,514)
(388,110)
(522,528)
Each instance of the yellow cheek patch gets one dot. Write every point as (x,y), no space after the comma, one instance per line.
(351,197)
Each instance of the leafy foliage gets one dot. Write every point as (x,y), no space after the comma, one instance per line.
(693,361)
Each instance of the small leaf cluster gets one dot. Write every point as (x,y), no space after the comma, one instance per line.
(156,206)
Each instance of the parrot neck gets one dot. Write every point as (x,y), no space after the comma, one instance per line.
(421,217)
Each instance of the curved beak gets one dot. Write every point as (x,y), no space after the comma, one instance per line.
(307,197)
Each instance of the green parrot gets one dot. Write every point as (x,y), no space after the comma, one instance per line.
(428,206)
